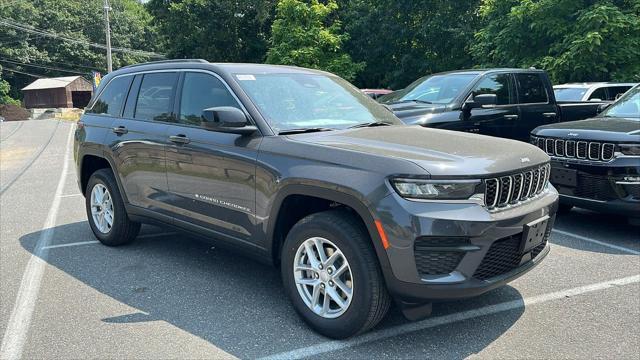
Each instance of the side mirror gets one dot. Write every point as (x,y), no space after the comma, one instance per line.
(226,119)
(602,107)
(482,100)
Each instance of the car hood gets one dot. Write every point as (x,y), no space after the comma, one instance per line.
(439,152)
(412,112)
(600,128)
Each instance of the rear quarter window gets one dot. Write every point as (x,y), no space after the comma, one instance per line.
(111,99)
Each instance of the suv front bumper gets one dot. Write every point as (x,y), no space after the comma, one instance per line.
(441,251)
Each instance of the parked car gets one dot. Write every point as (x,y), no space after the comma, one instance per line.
(596,162)
(506,103)
(299,168)
(594,91)
(376,93)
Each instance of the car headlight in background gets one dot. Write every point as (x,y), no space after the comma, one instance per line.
(629,149)
(435,189)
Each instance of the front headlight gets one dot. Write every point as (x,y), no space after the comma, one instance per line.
(630,149)
(435,189)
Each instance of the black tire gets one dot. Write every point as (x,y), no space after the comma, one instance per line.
(123,230)
(564,208)
(370,301)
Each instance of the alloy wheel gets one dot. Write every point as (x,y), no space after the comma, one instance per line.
(102,208)
(323,277)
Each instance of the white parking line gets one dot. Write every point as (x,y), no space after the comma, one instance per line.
(18,327)
(70,195)
(335,345)
(594,241)
(72,244)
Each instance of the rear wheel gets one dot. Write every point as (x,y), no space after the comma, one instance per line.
(106,212)
(331,274)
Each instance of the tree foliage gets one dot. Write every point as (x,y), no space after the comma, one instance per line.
(219,30)
(574,40)
(48,56)
(5,98)
(305,34)
(403,40)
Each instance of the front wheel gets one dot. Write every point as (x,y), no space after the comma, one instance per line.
(332,276)
(106,212)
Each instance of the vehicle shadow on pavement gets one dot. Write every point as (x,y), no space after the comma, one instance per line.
(607,228)
(232,302)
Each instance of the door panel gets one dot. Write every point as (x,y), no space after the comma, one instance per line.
(501,119)
(211,175)
(536,107)
(212,179)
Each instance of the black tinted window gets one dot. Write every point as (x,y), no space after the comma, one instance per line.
(616,91)
(112,97)
(598,94)
(531,89)
(156,97)
(499,85)
(201,91)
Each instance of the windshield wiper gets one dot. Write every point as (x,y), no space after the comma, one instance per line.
(370,124)
(303,130)
(413,100)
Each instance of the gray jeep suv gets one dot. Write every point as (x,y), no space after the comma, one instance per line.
(298,168)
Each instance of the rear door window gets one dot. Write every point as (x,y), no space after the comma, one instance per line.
(616,91)
(112,98)
(498,84)
(531,89)
(202,91)
(155,98)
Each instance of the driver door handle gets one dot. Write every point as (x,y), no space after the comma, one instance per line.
(549,114)
(179,139)
(120,130)
(511,117)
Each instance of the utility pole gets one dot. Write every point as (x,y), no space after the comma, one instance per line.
(108,32)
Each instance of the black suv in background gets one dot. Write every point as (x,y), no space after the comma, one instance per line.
(299,168)
(596,162)
(505,103)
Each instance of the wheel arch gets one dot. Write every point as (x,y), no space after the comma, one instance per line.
(91,162)
(278,218)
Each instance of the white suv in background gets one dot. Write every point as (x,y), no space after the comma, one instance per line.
(595,91)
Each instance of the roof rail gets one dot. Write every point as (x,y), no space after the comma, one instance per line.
(165,62)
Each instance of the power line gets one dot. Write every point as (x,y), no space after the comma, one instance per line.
(36,31)
(42,67)
(22,72)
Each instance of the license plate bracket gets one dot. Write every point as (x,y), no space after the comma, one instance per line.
(533,234)
(564,177)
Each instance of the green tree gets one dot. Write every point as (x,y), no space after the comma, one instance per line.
(219,30)
(304,34)
(5,98)
(574,40)
(24,48)
(403,40)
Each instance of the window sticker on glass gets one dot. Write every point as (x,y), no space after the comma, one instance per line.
(242,77)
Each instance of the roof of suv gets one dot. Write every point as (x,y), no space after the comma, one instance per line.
(225,67)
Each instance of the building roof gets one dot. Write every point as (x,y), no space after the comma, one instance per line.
(51,83)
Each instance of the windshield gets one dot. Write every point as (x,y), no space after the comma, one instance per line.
(301,101)
(628,106)
(569,94)
(436,89)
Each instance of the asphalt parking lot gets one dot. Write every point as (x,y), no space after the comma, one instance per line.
(170,296)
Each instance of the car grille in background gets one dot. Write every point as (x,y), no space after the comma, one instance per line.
(504,256)
(587,150)
(438,256)
(511,189)
(595,187)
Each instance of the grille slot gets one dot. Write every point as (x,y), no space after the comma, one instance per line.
(549,147)
(582,149)
(570,148)
(559,147)
(607,151)
(594,151)
(510,189)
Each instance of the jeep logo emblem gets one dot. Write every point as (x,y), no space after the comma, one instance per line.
(524,160)
(572,134)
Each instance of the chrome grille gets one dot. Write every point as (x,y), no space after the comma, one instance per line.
(511,189)
(593,150)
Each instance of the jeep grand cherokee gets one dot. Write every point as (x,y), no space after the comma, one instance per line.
(298,168)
